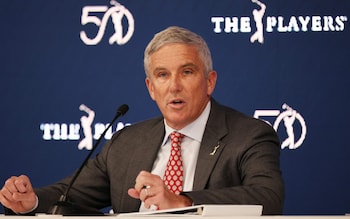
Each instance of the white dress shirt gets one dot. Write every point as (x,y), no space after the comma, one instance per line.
(189,150)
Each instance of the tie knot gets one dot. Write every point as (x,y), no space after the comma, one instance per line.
(176,138)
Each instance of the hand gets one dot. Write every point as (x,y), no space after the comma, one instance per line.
(151,190)
(18,195)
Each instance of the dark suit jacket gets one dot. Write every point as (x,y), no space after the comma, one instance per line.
(244,170)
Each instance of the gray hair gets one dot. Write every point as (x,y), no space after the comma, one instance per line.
(178,35)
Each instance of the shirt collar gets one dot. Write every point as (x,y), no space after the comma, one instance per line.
(193,130)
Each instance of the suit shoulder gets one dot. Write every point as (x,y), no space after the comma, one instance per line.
(146,123)
(142,127)
(238,121)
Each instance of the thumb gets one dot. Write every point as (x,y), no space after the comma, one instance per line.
(134,193)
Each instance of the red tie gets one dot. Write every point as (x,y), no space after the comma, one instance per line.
(173,176)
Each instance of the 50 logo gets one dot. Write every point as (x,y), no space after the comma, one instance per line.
(289,117)
(117,12)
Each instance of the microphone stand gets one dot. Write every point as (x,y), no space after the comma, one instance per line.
(66,208)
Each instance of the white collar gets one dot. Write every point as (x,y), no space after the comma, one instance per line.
(194,130)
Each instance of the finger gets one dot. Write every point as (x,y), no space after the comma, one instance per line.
(24,196)
(10,185)
(151,202)
(5,202)
(18,184)
(133,193)
(22,184)
(16,196)
(142,174)
(145,193)
(143,179)
(8,199)
(146,179)
(6,194)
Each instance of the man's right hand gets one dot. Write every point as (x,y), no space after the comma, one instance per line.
(18,195)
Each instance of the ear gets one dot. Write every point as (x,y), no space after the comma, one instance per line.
(211,78)
(149,86)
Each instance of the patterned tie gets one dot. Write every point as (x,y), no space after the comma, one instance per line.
(173,176)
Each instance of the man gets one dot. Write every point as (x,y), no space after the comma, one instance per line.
(228,158)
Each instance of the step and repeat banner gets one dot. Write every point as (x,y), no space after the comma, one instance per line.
(66,66)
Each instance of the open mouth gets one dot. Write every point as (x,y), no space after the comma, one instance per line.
(177,102)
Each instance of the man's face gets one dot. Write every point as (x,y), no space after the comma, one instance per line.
(178,84)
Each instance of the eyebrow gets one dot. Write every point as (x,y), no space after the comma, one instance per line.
(190,64)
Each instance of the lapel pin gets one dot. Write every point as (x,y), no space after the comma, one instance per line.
(215,149)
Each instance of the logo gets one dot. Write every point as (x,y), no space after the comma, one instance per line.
(71,131)
(280,24)
(258,16)
(86,122)
(289,124)
(117,13)
(293,123)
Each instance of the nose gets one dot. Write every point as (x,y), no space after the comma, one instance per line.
(175,83)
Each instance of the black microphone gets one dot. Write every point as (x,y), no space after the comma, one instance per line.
(66,208)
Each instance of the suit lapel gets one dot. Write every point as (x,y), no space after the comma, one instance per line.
(211,146)
(145,155)
(142,159)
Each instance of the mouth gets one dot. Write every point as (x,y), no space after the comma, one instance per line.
(176,102)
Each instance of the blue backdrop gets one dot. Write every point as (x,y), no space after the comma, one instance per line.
(57,55)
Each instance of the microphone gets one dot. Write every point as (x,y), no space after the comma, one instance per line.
(66,208)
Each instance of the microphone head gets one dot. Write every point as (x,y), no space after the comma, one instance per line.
(123,109)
